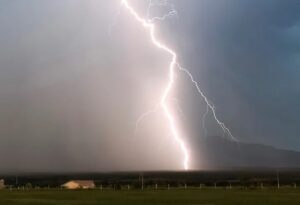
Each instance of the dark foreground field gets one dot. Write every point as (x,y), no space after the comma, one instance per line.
(209,196)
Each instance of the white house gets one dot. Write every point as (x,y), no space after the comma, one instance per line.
(2,185)
(79,184)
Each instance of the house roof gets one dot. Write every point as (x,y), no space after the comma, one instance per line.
(87,183)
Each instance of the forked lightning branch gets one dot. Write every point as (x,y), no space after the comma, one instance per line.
(150,26)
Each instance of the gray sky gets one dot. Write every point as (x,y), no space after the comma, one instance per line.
(71,91)
(245,55)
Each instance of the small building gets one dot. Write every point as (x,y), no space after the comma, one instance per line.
(2,185)
(79,184)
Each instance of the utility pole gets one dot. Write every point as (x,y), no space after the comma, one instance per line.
(142,180)
(278,184)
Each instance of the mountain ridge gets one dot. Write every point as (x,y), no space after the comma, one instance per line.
(219,153)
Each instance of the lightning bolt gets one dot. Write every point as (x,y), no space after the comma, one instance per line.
(167,90)
(144,115)
(148,24)
(171,13)
(163,3)
(212,107)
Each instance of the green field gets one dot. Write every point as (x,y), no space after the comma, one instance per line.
(208,197)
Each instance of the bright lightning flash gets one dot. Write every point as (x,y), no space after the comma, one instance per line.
(173,64)
(167,90)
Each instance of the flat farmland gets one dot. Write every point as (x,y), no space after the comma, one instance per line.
(173,196)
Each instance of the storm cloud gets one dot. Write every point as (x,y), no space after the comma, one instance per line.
(72,86)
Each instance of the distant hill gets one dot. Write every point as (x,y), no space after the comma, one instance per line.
(220,153)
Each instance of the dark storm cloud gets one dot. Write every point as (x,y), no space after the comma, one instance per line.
(246,56)
(70,93)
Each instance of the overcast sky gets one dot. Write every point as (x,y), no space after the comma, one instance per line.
(75,77)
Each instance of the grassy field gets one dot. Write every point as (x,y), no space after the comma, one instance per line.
(110,197)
